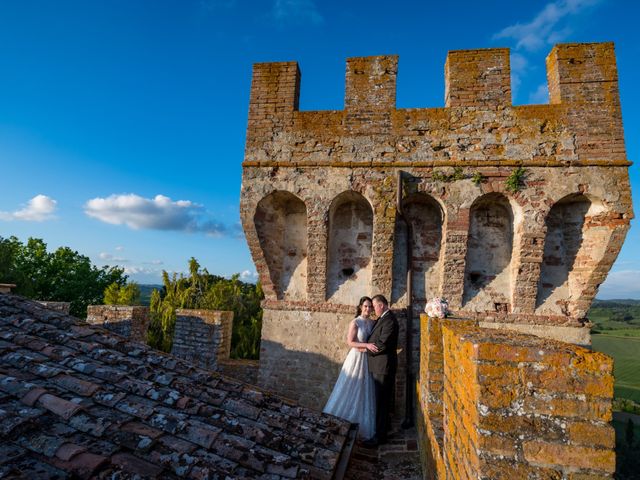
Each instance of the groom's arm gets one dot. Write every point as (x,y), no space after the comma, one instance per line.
(386,331)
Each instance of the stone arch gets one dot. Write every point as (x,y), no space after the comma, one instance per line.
(281,224)
(574,244)
(349,263)
(488,273)
(426,217)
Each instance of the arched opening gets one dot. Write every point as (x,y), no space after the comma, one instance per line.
(281,223)
(487,278)
(572,249)
(349,248)
(425,217)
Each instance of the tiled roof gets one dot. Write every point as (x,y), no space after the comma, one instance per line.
(78,401)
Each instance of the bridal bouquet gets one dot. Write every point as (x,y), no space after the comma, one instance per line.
(437,308)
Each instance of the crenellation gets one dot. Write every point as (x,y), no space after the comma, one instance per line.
(478,78)
(319,202)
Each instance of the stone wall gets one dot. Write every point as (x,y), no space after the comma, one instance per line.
(128,321)
(302,352)
(528,258)
(202,337)
(497,405)
(63,307)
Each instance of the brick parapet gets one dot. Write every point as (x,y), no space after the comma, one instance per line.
(562,228)
(63,307)
(514,405)
(203,336)
(129,321)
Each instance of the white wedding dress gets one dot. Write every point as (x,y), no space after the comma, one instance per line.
(353,396)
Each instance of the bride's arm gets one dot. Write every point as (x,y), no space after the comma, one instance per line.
(352,338)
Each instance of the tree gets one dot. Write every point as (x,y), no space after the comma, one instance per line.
(203,290)
(63,275)
(128,294)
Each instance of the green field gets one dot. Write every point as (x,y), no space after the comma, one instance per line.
(626,354)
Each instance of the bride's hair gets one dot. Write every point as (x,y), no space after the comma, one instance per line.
(359,307)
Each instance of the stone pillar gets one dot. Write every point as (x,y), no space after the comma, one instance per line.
(478,78)
(6,287)
(129,321)
(203,336)
(62,307)
(507,405)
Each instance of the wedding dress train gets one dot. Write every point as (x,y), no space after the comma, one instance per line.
(353,396)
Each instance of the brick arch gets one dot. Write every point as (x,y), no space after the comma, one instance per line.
(349,246)
(426,216)
(281,225)
(576,240)
(488,264)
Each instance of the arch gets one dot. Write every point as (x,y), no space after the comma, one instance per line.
(573,246)
(281,224)
(425,214)
(488,275)
(349,263)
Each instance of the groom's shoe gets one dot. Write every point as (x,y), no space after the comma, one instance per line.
(371,443)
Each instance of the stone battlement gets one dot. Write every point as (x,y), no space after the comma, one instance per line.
(581,124)
(506,405)
(515,214)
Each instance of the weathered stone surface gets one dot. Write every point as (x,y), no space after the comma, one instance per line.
(525,252)
(500,404)
(202,337)
(128,321)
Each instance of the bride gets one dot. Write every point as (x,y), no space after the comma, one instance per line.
(353,396)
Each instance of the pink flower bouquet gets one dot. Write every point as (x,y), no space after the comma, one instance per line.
(437,308)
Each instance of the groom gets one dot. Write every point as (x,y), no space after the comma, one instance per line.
(382,366)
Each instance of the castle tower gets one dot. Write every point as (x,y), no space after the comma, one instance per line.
(515,214)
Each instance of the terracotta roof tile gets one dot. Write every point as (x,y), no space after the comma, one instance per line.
(80,401)
(69,450)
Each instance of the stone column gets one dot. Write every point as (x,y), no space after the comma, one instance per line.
(129,321)
(202,337)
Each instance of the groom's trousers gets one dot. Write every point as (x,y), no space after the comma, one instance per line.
(384,387)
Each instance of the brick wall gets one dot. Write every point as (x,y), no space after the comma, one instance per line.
(500,404)
(63,307)
(202,336)
(128,321)
(499,256)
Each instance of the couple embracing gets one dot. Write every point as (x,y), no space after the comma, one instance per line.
(363,393)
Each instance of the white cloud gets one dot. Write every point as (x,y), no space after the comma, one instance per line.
(519,65)
(38,209)
(158,213)
(110,257)
(297,11)
(119,248)
(541,95)
(249,276)
(621,284)
(544,28)
(154,262)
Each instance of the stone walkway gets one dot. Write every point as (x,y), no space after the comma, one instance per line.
(397,459)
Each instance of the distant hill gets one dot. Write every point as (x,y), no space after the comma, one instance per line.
(615,303)
(145,292)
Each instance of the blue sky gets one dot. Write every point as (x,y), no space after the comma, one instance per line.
(122,122)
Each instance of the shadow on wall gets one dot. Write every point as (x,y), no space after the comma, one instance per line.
(564,238)
(281,224)
(426,219)
(304,376)
(487,279)
(349,255)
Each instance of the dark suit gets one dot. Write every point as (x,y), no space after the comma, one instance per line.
(382,366)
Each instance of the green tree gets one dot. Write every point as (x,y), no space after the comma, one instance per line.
(63,275)
(128,294)
(203,290)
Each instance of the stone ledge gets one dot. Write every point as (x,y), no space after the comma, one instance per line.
(436,163)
